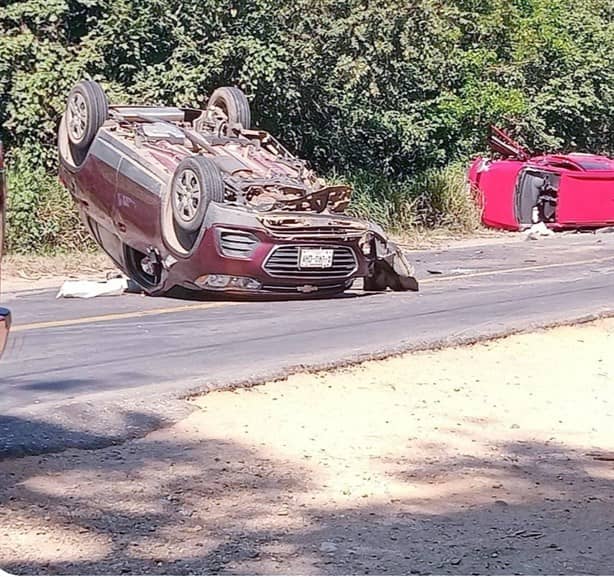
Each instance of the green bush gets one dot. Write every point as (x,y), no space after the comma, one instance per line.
(41,216)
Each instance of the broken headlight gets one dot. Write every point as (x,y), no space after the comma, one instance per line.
(366,244)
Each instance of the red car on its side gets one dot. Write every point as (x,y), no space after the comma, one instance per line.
(517,190)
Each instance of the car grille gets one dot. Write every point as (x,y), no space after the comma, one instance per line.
(283,262)
(315,233)
(237,244)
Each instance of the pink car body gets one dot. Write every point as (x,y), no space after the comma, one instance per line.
(564,191)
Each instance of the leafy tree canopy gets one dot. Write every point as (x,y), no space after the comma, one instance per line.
(388,86)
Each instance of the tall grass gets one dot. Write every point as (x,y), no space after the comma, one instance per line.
(437,198)
(41,217)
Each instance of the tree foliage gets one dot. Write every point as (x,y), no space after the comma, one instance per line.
(388,87)
(392,86)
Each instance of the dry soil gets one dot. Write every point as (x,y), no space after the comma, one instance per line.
(495,458)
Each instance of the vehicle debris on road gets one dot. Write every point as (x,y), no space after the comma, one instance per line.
(538,230)
(200,199)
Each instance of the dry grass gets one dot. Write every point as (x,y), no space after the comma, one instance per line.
(69,264)
(419,238)
(21,272)
(436,199)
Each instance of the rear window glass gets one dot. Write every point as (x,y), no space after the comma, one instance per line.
(596,164)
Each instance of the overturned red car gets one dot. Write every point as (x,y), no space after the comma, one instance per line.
(516,190)
(198,199)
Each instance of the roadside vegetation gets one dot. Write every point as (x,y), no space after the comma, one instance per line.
(391,97)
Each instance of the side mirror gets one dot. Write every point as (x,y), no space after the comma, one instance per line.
(5,314)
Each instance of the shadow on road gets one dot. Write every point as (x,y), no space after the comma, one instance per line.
(181,504)
(20,436)
(180,293)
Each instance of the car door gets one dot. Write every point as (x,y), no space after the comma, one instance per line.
(497,183)
(92,184)
(138,202)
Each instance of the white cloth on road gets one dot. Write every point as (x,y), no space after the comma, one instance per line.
(86,289)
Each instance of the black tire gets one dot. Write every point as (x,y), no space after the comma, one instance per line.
(375,283)
(197,181)
(384,277)
(86,110)
(408,283)
(234,104)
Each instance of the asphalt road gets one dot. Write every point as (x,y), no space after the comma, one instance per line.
(87,373)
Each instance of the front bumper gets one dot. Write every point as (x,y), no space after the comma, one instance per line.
(250,253)
(270,266)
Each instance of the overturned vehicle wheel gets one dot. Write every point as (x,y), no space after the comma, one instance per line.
(232,103)
(86,110)
(196,182)
(144,269)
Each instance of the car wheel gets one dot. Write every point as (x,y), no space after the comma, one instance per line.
(144,269)
(196,182)
(233,103)
(374,284)
(385,277)
(86,110)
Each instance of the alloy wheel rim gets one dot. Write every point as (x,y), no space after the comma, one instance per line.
(77,117)
(187,195)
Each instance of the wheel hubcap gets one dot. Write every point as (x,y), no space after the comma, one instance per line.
(187,195)
(77,117)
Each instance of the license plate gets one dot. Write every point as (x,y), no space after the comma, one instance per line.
(316,258)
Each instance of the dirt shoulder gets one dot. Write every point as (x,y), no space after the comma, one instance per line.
(23,272)
(444,238)
(490,459)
